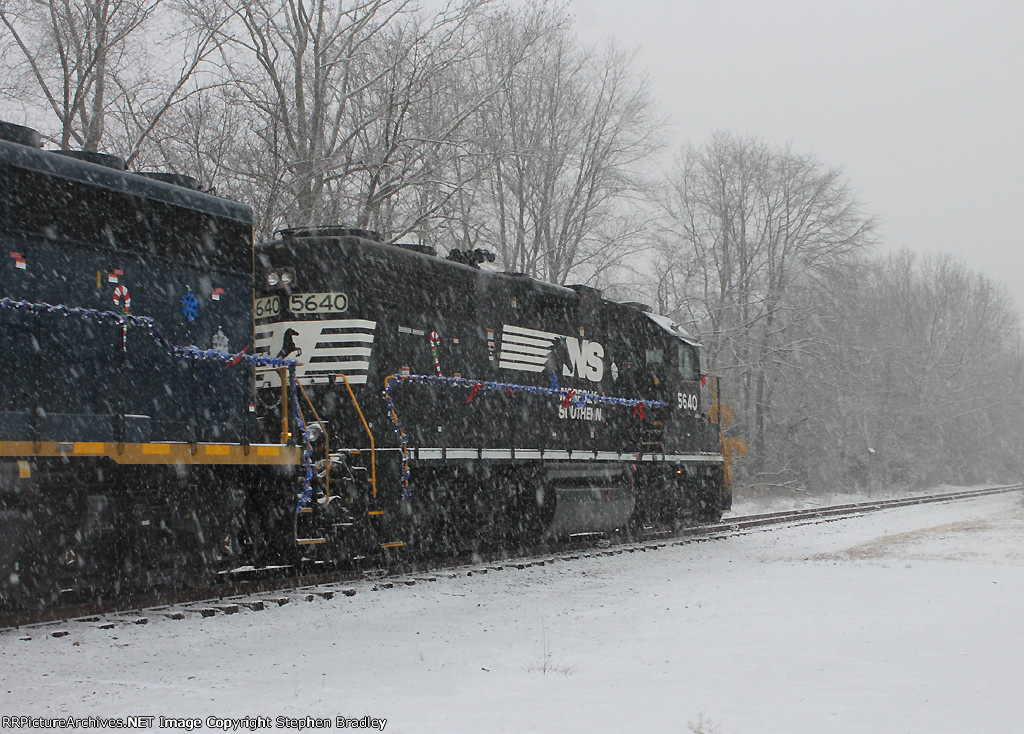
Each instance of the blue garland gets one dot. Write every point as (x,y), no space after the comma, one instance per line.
(193,353)
(577,398)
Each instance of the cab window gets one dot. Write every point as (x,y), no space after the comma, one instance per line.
(687,362)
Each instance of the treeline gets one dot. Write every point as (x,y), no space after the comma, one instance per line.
(845,368)
(479,124)
(491,125)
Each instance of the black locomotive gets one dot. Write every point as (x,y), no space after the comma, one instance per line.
(174,405)
(511,408)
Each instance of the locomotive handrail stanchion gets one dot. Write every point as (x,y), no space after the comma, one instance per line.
(366,426)
(716,389)
(285,433)
(327,444)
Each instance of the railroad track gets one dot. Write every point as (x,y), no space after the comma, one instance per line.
(232,597)
(849,510)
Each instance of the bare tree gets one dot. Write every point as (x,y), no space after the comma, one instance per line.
(756,233)
(843,368)
(417,132)
(301,62)
(359,105)
(945,363)
(84,61)
(567,137)
(917,381)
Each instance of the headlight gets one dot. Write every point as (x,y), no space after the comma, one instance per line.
(273,278)
(287,276)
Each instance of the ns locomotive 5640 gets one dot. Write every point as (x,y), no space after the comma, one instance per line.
(161,421)
(512,409)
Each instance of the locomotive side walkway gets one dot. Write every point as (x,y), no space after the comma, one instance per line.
(906,619)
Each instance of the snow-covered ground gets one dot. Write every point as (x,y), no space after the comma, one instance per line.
(908,620)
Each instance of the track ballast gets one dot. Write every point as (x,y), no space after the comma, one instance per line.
(257,590)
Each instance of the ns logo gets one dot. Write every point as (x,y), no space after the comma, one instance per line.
(586,359)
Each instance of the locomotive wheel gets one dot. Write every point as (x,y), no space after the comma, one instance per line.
(435,528)
(33,594)
(35,585)
(533,511)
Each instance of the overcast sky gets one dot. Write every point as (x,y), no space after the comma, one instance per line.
(921,103)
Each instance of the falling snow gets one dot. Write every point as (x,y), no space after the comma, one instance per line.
(904,620)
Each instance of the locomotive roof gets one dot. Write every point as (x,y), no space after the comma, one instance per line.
(51,163)
(415,254)
(673,328)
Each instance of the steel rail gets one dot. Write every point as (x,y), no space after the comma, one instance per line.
(265,588)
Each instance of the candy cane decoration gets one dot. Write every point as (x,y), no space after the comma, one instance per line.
(121,294)
(435,341)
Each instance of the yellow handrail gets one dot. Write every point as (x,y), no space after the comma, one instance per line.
(722,415)
(373,446)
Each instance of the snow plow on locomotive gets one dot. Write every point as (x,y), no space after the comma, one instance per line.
(175,406)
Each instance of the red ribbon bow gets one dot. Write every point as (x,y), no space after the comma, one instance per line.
(237,358)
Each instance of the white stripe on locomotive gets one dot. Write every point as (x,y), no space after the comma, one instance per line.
(323,348)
